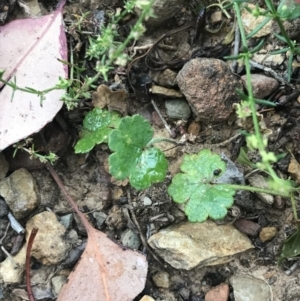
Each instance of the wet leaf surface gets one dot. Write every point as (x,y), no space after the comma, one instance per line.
(130,160)
(194,187)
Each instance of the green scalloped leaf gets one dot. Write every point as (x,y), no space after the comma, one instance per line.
(97,125)
(195,187)
(130,160)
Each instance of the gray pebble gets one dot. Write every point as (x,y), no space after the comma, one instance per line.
(177,109)
(131,240)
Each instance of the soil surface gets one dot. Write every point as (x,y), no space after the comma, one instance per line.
(211,124)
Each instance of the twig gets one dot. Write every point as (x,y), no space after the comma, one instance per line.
(7,227)
(33,233)
(237,39)
(162,118)
(227,141)
(142,237)
(9,256)
(15,224)
(69,198)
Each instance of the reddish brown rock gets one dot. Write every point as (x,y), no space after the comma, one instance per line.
(247,227)
(262,85)
(218,293)
(209,87)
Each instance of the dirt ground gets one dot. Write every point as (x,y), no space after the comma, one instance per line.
(94,190)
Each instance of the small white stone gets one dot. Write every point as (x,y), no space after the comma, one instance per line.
(147,201)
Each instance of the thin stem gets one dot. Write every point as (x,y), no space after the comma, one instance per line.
(33,233)
(158,140)
(69,198)
(253,189)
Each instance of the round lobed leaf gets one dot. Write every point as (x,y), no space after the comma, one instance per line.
(130,160)
(195,187)
(97,126)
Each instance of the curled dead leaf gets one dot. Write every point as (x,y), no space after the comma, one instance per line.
(114,100)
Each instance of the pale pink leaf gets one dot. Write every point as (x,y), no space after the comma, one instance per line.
(106,271)
(29,51)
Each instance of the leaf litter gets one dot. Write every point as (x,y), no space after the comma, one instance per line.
(106,270)
(30,49)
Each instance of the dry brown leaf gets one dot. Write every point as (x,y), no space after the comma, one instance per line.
(106,271)
(114,100)
(294,169)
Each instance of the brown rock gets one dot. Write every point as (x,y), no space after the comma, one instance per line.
(247,227)
(188,245)
(165,92)
(165,78)
(294,169)
(161,279)
(194,128)
(267,233)
(262,85)
(218,293)
(209,87)
(20,193)
(50,246)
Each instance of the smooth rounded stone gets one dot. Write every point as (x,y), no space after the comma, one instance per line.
(49,246)
(246,287)
(250,22)
(188,245)
(262,85)
(161,279)
(267,233)
(131,240)
(218,293)
(66,220)
(20,193)
(100,218)
(163,10)
(10,273)
(209,87)
(146,201)
(246,226)
(3,208)
(3,166)
(177,109)
(57,283)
